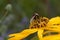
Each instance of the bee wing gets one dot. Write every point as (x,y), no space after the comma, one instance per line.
(36,14)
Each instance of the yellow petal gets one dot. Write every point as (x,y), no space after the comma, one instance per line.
(53,29)
(22,34)
(52,37)
(53,21)
(11,35)
(40,34)
(54,24)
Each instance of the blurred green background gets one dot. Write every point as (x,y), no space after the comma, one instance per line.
(16,14)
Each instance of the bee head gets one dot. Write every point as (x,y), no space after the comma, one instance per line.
(35,17)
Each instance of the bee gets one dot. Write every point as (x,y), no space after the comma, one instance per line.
(37,21)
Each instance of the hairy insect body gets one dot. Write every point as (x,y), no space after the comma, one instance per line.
(38,22)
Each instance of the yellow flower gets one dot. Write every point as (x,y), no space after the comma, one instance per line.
(36,25)
(54,24)
(25,33)
(52,37)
